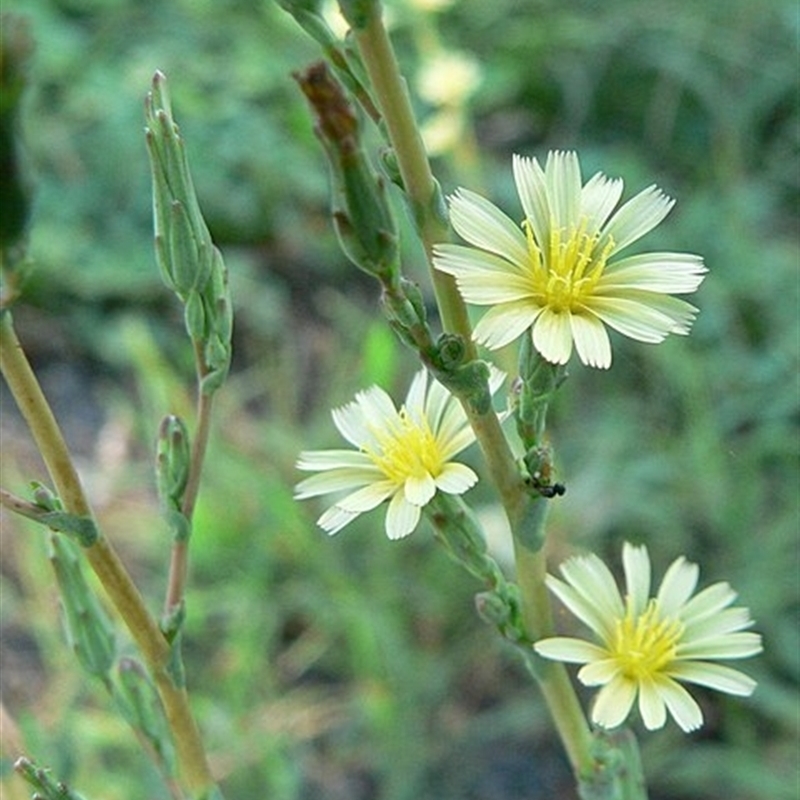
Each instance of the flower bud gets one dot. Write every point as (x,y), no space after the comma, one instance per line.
(142,709)
(362,215)
(183,243)
(88,629)
(173,458)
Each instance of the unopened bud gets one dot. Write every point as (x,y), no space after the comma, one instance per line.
(362,215)
(140,704)
(183,243)
(88,628)
(173,458)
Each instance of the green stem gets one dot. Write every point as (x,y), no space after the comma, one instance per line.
(102,557)
(554,681)
(392,96)
(179,557)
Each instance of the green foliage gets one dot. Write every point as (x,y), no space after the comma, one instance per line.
(353,667)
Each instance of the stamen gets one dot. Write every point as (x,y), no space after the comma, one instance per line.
(645,644)
(406,449)
(566,273)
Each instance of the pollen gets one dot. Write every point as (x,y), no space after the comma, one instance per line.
(406,449)
(566,269)
(643,645)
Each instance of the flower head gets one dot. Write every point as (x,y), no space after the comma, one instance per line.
(403,455)
(556,276)
(648,644)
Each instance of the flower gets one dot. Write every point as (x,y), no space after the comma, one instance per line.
(404,455)
(557,276)
(649,644)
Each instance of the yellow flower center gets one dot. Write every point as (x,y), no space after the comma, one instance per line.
(406,449)
(643,645)
(566,269)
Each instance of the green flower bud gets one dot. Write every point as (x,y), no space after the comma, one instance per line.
(89,630)
(458,529)
(492,609)
(139,702)
(183,243)
(47,788)
(362,215)
(194,316)
(538,381)
(173,459)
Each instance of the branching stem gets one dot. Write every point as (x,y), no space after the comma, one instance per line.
(102,557)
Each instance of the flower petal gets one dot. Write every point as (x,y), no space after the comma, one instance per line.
(591,340)
(714,676)
(569,650)
(599,196)
(636,564)
(367,498)
(729,645)
(552,336)
(416,397)
(455,478)
(637,217)
(483,279)
(651,705)
(335,518)
(530,181)
(591,580)
(677,585)
(484,225)
(318,460)
(599,672)
(667,273)
(682,706)
(338,480)
(401,517)
(613,702)
(644,316)
(419,489)
(726,621)
(563,177)
(504,323)
(707,603)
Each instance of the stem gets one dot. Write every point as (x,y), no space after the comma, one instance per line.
(101,555)
(421,188)
(392,96)
(179,556)
(554,681)
(200,440)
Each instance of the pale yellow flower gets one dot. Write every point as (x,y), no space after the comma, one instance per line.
(555,278)
(647,645)
(404,456)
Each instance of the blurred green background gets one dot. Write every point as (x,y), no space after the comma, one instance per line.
(354,668)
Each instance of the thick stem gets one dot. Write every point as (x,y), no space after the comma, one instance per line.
(390,90)
(101,555)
